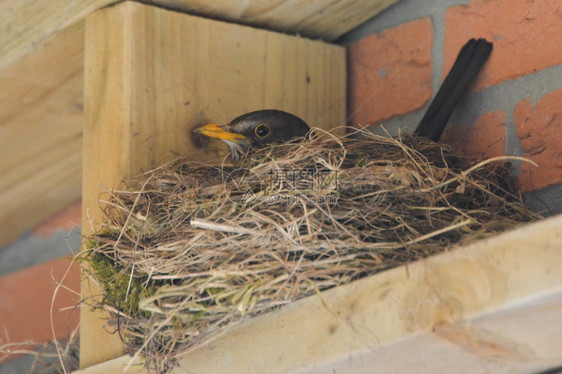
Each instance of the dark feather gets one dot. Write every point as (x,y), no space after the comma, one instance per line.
(472,56)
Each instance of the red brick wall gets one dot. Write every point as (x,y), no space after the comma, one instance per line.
(390,72)
(539,127)
(29,300)
(33,307)
(391,75)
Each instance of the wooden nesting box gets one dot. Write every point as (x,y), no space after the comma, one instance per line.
(152,76)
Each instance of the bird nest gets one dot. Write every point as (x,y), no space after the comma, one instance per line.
(191,249)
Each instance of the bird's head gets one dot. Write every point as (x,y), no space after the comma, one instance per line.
(256,130)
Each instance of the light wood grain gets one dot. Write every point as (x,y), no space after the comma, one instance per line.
(493,306)
(327,20)
(519,338)
(41,120)
(152,76)
(27,24)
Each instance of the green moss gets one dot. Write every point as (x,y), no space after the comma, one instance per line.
(91,243)
(195,316)
(178,324)
(115,280)
(213,290)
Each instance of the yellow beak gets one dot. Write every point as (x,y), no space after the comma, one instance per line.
(215,131)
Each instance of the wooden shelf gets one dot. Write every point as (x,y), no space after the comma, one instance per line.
(493,306)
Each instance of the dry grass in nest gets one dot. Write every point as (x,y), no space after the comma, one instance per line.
(193,249)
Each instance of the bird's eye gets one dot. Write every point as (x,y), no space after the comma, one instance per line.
(262,130)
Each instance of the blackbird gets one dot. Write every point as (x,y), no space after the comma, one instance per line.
(256,130)
(265,127)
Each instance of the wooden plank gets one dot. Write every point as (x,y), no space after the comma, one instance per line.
(522,338)
(41,133)
(27,24)
(493,306)
(326,20)
(153,75)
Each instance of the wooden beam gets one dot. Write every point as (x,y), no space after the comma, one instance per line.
(27,24)
(517,338)
(327,20)
(493,306)
(152,75)
(41,133)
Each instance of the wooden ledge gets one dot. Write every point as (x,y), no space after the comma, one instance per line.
(493,306)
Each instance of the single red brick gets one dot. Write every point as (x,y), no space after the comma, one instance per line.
(25,303)
(527,36)
(540,129)
(390,72)
(66,219)
(482,139)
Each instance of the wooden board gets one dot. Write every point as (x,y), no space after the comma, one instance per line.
(493,306)
(326,20)
(41,133)
(152,76)
(522,338)
(27,24)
